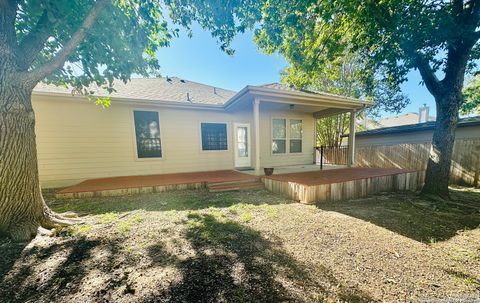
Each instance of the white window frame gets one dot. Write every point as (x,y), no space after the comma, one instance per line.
(134,134)
(273,138)
(287,134)
(290,136)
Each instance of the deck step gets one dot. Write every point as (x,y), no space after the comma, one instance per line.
(246,181)
(235,186)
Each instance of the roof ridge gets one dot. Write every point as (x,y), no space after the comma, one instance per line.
(180,79)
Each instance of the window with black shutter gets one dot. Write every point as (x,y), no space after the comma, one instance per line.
(214,136)
(147,133)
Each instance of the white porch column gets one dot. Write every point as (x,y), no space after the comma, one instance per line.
(351,140)
(315,131)
(256,123)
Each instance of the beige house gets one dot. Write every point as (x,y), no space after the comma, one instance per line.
(169,125)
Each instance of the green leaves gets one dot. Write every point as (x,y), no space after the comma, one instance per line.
(122,42)
(471,97)
(348,76)
(388,38)
(224,19)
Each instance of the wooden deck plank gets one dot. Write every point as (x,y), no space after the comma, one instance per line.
(336,175)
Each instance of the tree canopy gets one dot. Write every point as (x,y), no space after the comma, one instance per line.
(118,40)
(345,76)
(390,37)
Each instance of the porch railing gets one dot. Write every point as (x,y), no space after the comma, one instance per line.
(337,155)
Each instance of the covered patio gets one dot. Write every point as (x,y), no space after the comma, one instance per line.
(278,142)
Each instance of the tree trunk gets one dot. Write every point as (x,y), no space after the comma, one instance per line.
(21,204)
(22,208)
(438,167)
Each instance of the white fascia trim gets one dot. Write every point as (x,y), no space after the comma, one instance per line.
(300,98)
(140,102)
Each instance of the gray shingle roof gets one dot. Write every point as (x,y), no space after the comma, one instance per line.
(171,89)
(470,121)
(155,89)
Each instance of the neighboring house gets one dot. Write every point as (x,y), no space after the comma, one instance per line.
(169,125)
(404,119)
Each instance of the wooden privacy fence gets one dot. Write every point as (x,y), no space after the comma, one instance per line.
(331,155)
(465,167)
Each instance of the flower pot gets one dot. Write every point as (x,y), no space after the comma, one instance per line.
(268,171)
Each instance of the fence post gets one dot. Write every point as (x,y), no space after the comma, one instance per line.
(321,156)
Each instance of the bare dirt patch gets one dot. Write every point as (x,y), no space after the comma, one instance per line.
(251,246)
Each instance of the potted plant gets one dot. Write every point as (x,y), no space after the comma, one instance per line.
(268,171)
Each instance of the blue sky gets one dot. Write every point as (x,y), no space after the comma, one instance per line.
(200,59)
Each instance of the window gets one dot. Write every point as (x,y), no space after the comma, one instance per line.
(242,141)
(147,133)
(296,136)
(214,136)
(279,136)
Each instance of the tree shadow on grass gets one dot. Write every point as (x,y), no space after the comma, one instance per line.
(9,253)
(64,279)
(409,215)
(226,262)
(179,200)
(65,267)
(234,263)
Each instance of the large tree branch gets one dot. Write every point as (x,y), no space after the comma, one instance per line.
(34,41)
(61,57)
(472,9)
(459,48)
(8,38)
(428,74)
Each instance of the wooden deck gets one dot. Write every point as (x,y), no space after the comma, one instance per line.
(343,184)
(118,186)
(306,187)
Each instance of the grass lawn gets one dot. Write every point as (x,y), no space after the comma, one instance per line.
(251,246)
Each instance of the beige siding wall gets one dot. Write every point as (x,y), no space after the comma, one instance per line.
(273,160)
(77,140)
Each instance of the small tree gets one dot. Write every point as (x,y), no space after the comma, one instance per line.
(330,130)
(343,76)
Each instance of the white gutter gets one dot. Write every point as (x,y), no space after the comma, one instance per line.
(143,102)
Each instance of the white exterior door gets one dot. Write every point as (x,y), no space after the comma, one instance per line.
(242,145)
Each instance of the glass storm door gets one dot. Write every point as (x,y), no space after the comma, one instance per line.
(242,145)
